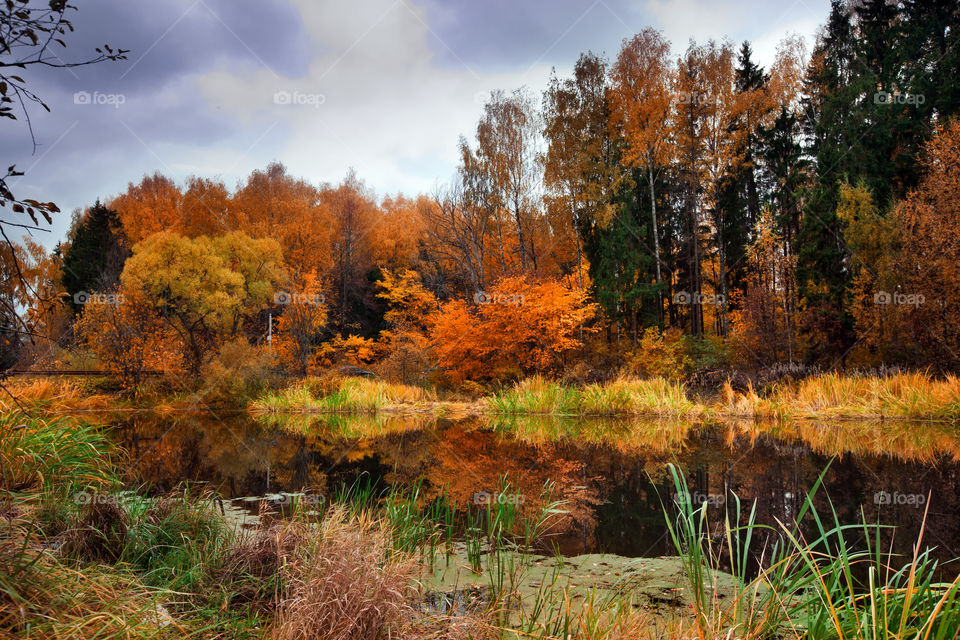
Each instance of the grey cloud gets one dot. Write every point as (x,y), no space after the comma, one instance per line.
(400,80)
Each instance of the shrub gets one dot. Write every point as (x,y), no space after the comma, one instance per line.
(346,583)
(353,350)
(522,327)
(239,370)
(660,354)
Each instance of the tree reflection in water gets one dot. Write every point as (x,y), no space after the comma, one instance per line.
(610,473)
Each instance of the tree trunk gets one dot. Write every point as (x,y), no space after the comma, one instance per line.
(723,274)
(523,246)
(656,238)
(576,231)
(503,262)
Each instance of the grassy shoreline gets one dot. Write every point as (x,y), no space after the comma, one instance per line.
(901,396)
(400,563)
(81,557)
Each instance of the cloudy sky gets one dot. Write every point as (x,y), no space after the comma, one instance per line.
(221,87)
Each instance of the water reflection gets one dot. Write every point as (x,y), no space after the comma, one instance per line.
(611,473)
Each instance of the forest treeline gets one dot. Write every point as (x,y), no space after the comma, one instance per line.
(653,212)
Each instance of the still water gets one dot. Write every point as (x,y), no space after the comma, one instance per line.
(611,474)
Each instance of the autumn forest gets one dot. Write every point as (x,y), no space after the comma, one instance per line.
(672,352)
(691,204)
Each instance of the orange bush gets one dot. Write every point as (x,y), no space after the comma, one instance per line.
(127,336)
(523,326)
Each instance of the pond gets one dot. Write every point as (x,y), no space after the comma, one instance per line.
(612,475)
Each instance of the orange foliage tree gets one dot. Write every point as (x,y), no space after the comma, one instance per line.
(206,209)
(351,350)
(127,336)
(410,307)
(761,329)
(399,231)
(32,312)
(522,326)
(272,204)
(640,104)
(927,296)
(578,172)
(300,325)
(151,206)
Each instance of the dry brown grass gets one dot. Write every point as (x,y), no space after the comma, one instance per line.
(41,597)
(345,583)
(339,578)
(100,533)
(52,394)
(901,396)
(251,571)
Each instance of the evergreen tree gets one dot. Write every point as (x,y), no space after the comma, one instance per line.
(783,171)
(96,254)
(931,54)
(822,270)
(622,263)
(738,205)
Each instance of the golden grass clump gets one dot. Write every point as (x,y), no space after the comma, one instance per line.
(346,583)
(656,396)
(40,597)
(624,396)
(55,394)
(906,396)
(376,394)
(537,395)
(321,395)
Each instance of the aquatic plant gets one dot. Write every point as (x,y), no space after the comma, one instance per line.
(814,581)
(56,455)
